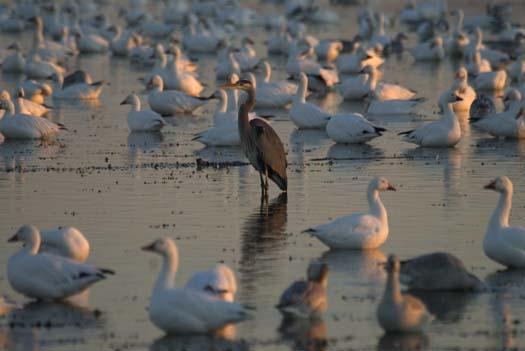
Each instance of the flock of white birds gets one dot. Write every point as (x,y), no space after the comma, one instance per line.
(52,264)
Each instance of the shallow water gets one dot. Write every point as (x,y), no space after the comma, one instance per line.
(124,190)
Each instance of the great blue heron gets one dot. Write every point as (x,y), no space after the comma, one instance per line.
(259,141)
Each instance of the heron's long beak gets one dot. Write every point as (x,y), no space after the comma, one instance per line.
(229,85)
(491,185)
(150,247)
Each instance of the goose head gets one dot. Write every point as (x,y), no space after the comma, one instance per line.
(155,82)
(453,97)
(162,246)
(511,95)
(26,234)
(381,184)
(461,74)
(131,99)
(393,265)
(501,184)
(317,272)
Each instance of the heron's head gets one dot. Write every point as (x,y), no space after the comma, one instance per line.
(241,84)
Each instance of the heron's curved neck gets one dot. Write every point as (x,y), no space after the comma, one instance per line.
(244,110)
(500,216)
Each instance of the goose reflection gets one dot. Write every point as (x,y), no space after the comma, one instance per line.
(262,238)
(506,284)
(47,323)
(218,342)
(361,267)
(306,334)
(142,143)
(355,152)
(16,154)
(404,342)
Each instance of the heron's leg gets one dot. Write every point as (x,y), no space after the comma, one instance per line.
(266,179)
(262,182)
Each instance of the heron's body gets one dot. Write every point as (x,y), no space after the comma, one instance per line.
(260,143)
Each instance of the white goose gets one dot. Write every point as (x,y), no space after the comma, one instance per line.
(328,50)
(503,243)
(490,81)
(202,42)
(45,276)
(67,242)
(298,62)
(445,132)
(304,114)
(142,121)
(36,68)
(36,91)
(170,102)
(352,128)
(354,63)
(178,78)
(509,123)
(462,89)
(356,87)
(398,313)
(432,50)
(185,310)
(81,90)
(219,282)
(478,65)
(386,91)
(20,126)
(227,65)
(273,94)
(358,231)
(459,40)
(23,106)
(91,43)
(14,63)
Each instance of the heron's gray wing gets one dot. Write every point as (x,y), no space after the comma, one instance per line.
(270,151)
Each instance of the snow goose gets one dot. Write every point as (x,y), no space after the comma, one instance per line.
(45,276)
(14,63)
(170,102)
(509,123)
(357,87)
(91,43)
(227,65)
(306,299)
(20,126)
(76,89)
(179,78)
(6,306)
(219,282)
(462,89)
(386,91)
(354,63)
(517,69)
(47,49)
(503,243)
(203,42)
(123,42)
(398,313)
(352,128)
(36,91)
(438,271)
(246,55)
(490,81)
(478,65)
(481,107)
(445,132)
(459,40)
(25,106)
(67,242)
(36,68)
(279,43)
(328,50)
(273,94)
(185,310)
(298,63)
(358,231)
(304,114)
(142,121)
(432,50)
(493,56)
